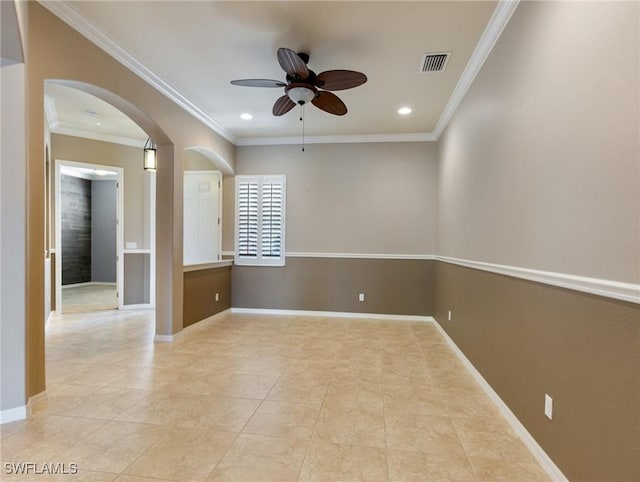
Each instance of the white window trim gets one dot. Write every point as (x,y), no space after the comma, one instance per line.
(259,260)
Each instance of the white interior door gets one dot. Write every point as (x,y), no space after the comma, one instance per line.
(201,217)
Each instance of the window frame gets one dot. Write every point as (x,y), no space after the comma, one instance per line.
(259,259)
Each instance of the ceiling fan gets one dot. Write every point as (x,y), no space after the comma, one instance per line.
(304,85)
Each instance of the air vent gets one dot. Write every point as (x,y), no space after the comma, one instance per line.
(434,62)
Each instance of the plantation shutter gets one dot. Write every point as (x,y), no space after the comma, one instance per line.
(260,220)
(272,219)
(247,219)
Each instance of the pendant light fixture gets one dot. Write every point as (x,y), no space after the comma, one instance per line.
(150,159)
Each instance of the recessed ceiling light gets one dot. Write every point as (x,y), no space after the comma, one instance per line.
(404,110)
(98,123)
(246,116)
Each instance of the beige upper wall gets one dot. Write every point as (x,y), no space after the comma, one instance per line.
(349,198)
(194,161)
(68,148)
(539,166)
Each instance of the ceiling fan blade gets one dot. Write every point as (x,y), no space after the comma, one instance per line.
(283,105)
(330,103)
(292,64)
(258,83)
(340,79)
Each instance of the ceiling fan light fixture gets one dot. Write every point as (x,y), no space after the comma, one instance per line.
(301,93)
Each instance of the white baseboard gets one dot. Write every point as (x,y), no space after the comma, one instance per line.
(210,318)
(13,414)
(89,283)
(168,338)
(541,456)
(21,413)
(52,314)
(332,314)
(139,306)
(40,397)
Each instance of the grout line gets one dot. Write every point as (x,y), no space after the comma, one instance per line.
(245,425)
(265,344)
(384,420)
(313,432)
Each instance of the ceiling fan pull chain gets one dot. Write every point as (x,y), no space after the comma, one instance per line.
(302,119)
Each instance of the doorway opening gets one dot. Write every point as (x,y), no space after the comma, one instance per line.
(89,268)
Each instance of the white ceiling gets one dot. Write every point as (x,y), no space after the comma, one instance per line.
(73,112)
(87,173)
(197,48)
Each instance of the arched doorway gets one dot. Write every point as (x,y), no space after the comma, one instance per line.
(100,207)
(136,253)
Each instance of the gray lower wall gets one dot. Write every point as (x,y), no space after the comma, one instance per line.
(137,275)
(103,231)
(200,288)
(529,339)
(391,286)
(75,199)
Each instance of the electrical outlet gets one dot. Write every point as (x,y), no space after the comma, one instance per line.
(361,297)
(449,316)
(217,296)
(548,406)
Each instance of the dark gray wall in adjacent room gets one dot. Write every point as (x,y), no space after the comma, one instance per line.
(75,199)
(103,231)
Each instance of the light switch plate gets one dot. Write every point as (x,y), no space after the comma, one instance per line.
(548,406)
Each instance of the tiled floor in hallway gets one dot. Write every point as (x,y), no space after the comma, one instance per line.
(261,398)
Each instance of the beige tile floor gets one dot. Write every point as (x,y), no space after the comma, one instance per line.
(89,298)
(262,398)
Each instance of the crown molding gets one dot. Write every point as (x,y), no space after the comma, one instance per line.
(339,139)
(89,30)
(497,23)
(499,19)
(50,112)
(96,136)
